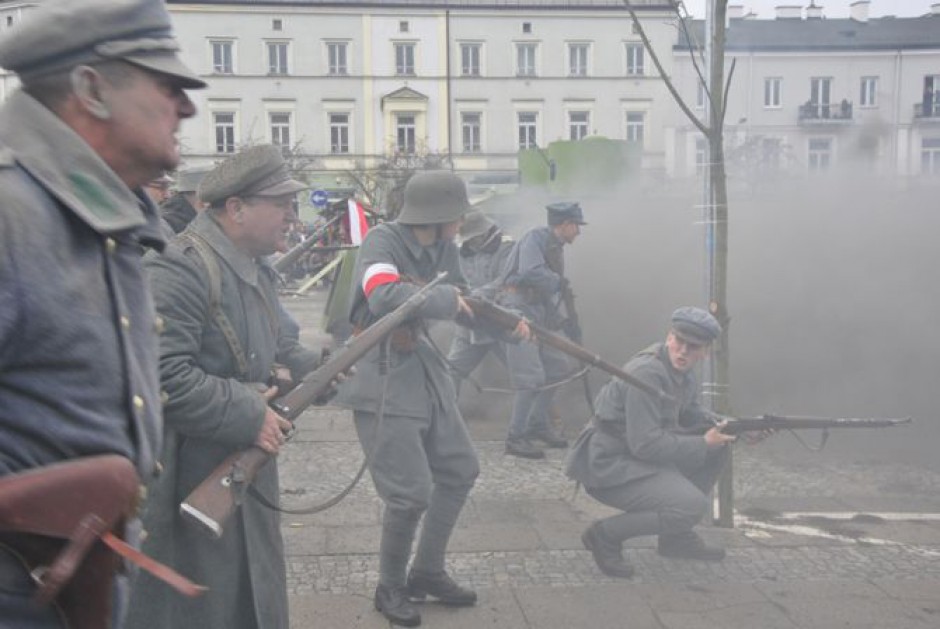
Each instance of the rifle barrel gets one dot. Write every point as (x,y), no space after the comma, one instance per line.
(780,422)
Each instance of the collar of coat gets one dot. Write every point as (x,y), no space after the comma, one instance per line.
(63,163)
(243,265)
(415,248)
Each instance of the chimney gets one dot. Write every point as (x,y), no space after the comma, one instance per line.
(814,12)
(789,12)
(750,15)
(735,11)
(858,10)
(935,9)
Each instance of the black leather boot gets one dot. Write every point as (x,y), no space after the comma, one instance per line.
(608,554)
(395,605)
(524,448)
(441,587)
(688,545)
(548,436)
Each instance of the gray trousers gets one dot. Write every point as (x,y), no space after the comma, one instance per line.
(465,356)
(531,365)
(668,502)
(418,465)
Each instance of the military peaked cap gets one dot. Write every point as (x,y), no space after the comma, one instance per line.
(695,325)
(62,34)
(563,211)
(259,171)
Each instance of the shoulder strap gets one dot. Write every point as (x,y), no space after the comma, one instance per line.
(201,247)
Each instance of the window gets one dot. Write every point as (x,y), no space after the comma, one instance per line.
(405,133)
(772,92)
(403,27)
(930,156)
(280,128)
(700,95)
(223,59)
(578,122)
(277,57)
(525,59)
(470,131)
(635,55)
(470,59)
(9,20)
(528,120)
(869,91)
(277,25)
(339,133)
(772,153)
(405,59)
(224,122)
(578,59)
(820,89)
(635,124)
(527,27)
(820,154)
(336,58)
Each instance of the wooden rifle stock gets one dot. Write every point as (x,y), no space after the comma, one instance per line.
(508,320)
(293,254)
(210,504)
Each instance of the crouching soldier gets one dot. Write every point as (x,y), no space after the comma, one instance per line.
(639,454)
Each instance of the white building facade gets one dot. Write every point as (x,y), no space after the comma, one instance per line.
(346,83)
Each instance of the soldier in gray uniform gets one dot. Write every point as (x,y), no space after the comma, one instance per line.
(483,253)
(532,282)
(224,333)
(102,97)
(182,208)
(420,455)
(649,457)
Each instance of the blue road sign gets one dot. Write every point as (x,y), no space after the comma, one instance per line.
(318,198)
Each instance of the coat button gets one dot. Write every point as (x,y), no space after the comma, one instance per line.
(157,468)
(138,402)
(159,325)
(164,397)
(110,245)
(125,323)
(143,535)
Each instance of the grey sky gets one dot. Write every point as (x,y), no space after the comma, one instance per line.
(831,8)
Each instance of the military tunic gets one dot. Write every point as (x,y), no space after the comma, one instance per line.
(480,270)
(212,411)
(178,212)
(634,455)
(78,343)
(419,387)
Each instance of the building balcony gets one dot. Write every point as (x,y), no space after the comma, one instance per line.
(826,113)
(927,113)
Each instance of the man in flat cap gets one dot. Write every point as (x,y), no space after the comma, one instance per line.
(483,252)
(420,454)
(102,99)
(655,460)
(533,282)
(158,190)
(182,207)
(224,332)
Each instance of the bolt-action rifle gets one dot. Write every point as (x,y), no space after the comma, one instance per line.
(286,261)
(508,320)
(215,499)
(738,425)
(773,423)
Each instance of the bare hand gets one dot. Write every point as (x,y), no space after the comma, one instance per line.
(274,429)
(464,307)
(714,436)
(522,331)
(754,437)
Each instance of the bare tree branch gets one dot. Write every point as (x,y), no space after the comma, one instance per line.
(662,72)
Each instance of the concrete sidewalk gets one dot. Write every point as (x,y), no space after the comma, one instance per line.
(817,545)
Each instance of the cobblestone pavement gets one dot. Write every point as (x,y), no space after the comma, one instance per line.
(820,542)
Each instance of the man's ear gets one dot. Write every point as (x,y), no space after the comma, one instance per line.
(89,86)
(234,207)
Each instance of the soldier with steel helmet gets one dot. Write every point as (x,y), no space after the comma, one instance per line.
(420,454)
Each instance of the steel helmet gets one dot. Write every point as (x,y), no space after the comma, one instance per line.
(475,223)
(434,197)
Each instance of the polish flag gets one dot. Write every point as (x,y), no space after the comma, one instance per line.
(377,275)
(358,226)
